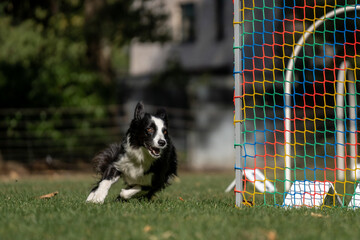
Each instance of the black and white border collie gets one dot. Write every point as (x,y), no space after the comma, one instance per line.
(145,160)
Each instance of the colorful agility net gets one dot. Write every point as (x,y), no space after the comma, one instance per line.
(296,102)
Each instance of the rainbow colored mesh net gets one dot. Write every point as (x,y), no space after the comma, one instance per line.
(296,100)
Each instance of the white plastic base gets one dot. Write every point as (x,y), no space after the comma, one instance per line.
(311,194)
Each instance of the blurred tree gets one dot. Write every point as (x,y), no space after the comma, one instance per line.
(120,21)
(57,53)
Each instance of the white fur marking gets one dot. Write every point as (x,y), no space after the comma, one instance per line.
(133,164)
(99,195)
(128,193)
(159,133)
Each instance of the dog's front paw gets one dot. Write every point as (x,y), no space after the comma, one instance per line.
(95,197)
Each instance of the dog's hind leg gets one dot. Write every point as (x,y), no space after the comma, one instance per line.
(99,192)
(135,191)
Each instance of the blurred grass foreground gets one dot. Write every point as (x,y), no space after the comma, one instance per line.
(193,207)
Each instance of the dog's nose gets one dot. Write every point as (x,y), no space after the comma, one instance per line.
(161,143)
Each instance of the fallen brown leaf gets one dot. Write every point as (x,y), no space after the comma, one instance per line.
(49,195)
(147,228)
(13,175)
(271,235)
(317,215)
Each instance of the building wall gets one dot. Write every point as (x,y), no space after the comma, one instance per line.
(206,52)
(207,142)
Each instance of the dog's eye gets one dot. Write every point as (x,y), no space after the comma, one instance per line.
(165,132)
(150,130)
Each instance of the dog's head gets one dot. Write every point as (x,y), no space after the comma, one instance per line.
(149,131)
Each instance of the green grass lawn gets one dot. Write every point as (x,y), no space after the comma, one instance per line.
(195,207)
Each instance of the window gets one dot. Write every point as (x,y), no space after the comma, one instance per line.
(219,18)
(188,22)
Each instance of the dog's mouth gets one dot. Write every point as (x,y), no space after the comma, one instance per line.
(155,152)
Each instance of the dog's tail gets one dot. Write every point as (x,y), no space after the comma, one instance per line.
(106,157)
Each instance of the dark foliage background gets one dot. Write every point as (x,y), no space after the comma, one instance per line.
(59,61)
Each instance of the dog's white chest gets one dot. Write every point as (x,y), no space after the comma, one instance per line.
(133,166)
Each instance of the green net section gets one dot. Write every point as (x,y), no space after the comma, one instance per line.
(296,63)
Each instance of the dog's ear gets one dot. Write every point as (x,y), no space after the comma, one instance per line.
(138,111)
(161,113)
